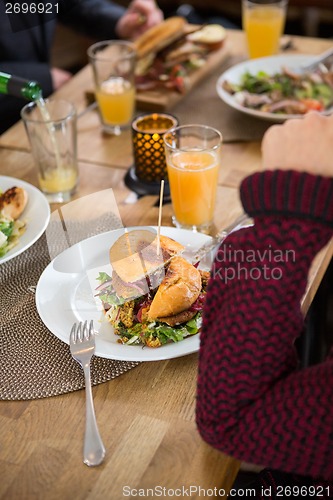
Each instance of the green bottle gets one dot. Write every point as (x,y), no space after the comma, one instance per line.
(19,87)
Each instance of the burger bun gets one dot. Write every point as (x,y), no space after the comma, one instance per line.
(136,254)
(179,289)
(160,36)
(211,35)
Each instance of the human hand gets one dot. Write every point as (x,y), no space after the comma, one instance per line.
(59,77)
(304,144)
(140,16)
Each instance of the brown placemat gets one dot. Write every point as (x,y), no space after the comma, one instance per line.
(34,363)
(204,106)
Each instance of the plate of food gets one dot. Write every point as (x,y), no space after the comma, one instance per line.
(172,58)
(24,216)
(271,88)
(144,297)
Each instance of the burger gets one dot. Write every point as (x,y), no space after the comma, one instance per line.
(168,52)
(160,36)
(154,295)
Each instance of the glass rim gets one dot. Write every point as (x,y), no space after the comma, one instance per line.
(124,43)
(192,126)
(33,104)
(144,116)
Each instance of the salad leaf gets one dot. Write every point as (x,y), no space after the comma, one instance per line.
(6,227)
(256,84)
(103,277)
(161,331)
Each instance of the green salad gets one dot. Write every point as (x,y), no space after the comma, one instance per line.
(10,229)
(284,92)
(130,321)
(10,232)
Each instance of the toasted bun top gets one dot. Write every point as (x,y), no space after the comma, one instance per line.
(135,254)
(159,36)
(179,289)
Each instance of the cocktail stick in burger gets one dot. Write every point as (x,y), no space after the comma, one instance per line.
(152,299)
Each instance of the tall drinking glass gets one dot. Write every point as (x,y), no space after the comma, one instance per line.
(263,23)
(193,161)
(51,129)
(113,64)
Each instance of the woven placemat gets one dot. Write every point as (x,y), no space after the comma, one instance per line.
(209,109)
(34,363)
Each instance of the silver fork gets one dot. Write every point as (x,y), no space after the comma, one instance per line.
(316,62)
(205,254)
(82,344)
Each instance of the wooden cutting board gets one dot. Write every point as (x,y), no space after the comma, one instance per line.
(164,99)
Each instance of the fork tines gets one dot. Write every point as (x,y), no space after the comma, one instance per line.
(81,331)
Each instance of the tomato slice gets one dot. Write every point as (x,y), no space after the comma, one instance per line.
(313,104)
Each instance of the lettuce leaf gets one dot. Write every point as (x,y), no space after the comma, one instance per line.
(162,331)
(6,227)
(103,277)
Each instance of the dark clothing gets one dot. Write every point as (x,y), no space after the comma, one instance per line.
(254,402)
(26,52)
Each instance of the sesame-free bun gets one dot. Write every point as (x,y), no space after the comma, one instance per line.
(179,289)
(160,36)
(211,35)
(135,254)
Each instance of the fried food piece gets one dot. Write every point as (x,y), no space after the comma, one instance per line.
(13,202)
(126,314)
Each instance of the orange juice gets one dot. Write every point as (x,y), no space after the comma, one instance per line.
(61,179)
(193,180)
(116,101)
(263,25)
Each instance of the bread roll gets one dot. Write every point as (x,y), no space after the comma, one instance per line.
(211,35)
(134,255)
(13,202)
(178,291)
(160,36)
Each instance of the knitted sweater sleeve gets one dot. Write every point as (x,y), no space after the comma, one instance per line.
(253,401)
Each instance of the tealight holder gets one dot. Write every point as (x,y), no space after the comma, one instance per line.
(149,168)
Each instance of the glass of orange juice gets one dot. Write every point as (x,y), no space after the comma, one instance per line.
(51,128)
(263,23)
(193,159)
(113,64)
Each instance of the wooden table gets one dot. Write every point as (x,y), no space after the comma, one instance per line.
(146,416)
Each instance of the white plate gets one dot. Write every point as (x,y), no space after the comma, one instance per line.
(65,295)
(270,65)
(36,215)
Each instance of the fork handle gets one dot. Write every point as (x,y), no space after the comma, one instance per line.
(93,450)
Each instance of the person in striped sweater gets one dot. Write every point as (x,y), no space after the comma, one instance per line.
(253,400)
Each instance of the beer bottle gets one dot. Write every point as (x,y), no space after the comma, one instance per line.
(19,87)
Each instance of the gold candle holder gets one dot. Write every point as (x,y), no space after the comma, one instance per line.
(149,153)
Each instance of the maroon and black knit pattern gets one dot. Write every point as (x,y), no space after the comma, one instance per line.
(253,401)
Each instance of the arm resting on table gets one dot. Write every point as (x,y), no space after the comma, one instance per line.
(253,401)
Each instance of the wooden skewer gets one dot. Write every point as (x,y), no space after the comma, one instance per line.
(160,217)
(128,243)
